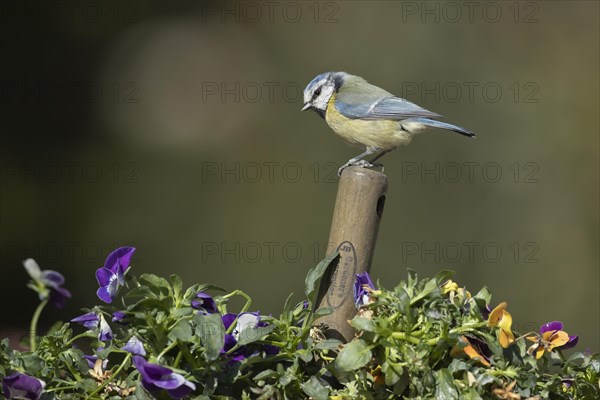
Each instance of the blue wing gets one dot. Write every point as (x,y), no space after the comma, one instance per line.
(393,108)
(359,99)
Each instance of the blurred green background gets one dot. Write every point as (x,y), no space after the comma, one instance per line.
(175,127)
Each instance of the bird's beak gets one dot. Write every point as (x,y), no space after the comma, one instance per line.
(306,107)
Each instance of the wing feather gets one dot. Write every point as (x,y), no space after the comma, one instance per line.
(392,107)
(358,99)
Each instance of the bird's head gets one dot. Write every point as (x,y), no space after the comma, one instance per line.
(320,89)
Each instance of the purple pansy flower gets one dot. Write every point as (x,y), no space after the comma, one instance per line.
(92,321)
(555,326)
(118,316)
(134,346)
(21,386)
(91,360)
(105,331)
(231,339)
(361,294)
(485,313)
(205,302)
(47,283)
(89,320)
(156,377)
(245,321)
(111,276)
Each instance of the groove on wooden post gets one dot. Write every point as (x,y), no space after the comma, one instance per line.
(356,217)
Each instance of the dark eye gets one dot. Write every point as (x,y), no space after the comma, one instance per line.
(317,92)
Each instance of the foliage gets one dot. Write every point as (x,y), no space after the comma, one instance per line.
(423,339)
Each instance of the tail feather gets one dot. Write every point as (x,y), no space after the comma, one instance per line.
(443,125)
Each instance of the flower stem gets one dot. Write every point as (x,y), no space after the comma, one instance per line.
(413,337)
(245,308)
(87,334)
(166,350)
(112,376)
(34,322)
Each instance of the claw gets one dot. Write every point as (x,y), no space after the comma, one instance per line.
(358,163)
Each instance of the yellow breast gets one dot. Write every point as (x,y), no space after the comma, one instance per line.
(380,134)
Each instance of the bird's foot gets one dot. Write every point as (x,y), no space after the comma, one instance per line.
(359,163)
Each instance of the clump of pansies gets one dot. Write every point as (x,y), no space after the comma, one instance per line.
(151,338)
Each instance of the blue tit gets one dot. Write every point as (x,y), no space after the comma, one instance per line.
(366,115)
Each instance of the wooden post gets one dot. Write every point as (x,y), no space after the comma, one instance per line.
(358,210)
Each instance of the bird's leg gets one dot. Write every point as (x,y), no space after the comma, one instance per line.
(378,156)
(357,161)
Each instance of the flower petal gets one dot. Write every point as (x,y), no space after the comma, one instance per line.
(183,390)
(105,331)
(134,346)
(571,343)
(506,338)
(119,259)
(228,319)
(104,294)
(551,326)
(169,381)
(505,322)
(58,296)
(206,302)
(21,386)
(557,339)
(104,276)
(150,372)
(89,320)
(496,314)
(52,278)
(33,269)
(118,316)
(361,293)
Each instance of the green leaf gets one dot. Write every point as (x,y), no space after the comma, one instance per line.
(268,373)
(32,363)
(190,293)
(328,344)
(211,331)
(458,365)
(444,275)
(252,334)
(323,311)
(444,386)
(470,395)
(363,324)
(482,298)
(142,292)
(392,373)
(315,274)
(176,285)
(305,355)
(315,389)
(159,286)
(430,286)
(353,356)
(287,306)
(182,331)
